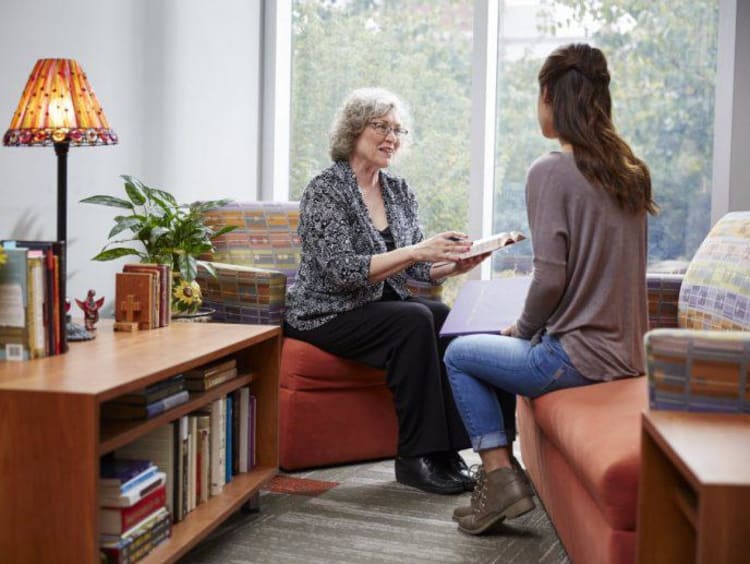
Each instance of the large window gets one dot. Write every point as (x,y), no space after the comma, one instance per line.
(421,50)
(662,58)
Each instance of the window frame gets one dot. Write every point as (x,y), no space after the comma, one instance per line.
(732,110)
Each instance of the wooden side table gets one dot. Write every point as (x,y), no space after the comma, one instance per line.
(694,492)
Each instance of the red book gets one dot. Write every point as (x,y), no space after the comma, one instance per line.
(116,520)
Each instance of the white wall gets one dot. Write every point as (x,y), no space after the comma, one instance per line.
(179,83)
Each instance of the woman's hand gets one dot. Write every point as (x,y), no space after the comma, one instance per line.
(511,331)
(465,265)
(446,246)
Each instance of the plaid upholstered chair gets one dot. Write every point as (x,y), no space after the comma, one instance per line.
(704,362)
(331,410)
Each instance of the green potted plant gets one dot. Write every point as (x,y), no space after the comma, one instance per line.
(168,232)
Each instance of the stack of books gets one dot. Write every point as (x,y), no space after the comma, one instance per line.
(32,300)
(202,451)
(211,375)
(142,295)
(133,517)
(149,401)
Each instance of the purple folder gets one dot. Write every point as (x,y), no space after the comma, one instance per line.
(486,306)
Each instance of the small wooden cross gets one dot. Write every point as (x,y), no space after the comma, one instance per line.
(130,307)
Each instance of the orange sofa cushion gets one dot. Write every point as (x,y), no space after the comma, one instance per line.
(597,430)
(306,367)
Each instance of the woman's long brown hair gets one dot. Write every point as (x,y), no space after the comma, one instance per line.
(575,81)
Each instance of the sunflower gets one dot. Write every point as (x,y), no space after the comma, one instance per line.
(186,296)
(3,257)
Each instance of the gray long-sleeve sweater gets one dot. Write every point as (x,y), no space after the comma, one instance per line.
(589,282)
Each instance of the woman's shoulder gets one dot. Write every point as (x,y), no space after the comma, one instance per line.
(551,165)
(330,178)
(550,161)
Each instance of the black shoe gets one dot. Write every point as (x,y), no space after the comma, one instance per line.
(427,474)
(457,468)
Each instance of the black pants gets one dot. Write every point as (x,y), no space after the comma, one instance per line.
(401,337)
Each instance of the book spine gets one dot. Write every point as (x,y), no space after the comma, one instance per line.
(217,446)
(229,441)
(119,520)
(244,412)
(167,403)
(35,308)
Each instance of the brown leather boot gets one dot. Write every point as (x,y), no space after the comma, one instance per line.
(464,510)
(521,473)
(502,496)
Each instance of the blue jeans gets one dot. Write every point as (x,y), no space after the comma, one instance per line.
(487,372)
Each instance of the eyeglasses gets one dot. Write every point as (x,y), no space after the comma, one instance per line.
(384,129)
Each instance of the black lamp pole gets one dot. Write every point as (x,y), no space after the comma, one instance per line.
(61,150)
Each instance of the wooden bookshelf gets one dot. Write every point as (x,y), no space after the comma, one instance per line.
(51,435)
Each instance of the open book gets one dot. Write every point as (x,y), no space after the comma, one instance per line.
(493,243)
(486,306)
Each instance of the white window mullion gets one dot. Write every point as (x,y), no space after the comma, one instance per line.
(276,100)
(483,95)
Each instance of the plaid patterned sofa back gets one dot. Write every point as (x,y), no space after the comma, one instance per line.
(256,262)
(715,292)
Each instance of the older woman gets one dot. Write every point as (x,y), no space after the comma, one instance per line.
(360,241)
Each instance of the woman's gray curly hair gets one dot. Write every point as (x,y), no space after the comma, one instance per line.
(359,108)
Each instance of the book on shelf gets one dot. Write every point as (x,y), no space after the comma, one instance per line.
(154,392)
(493,243)
(120,471)
(134,298)
(53,260)
(13,306)
(37,327)
(181,468)
(136,543)
(228,440)
(110,498)
(192,455)
(217,410)
(161,287)
(118,486)
(486,306)
(198,384)
(208,370)
(159,447)
(203,462)
(117,520)
(117,410)
(241,402)
(251,443)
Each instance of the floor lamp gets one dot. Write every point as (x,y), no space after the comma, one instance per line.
(58,107)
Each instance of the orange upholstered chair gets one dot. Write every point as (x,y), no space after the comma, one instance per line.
(331,410)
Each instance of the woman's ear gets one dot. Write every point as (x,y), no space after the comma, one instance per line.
(544,95)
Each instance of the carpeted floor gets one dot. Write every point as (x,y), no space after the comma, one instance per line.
(359,513)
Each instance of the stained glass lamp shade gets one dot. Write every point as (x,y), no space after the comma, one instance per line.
(58,107)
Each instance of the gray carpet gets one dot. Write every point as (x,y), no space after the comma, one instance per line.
(369,517)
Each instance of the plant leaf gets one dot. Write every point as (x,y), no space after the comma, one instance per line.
(208,266)
(111,201)
(117,252)
(134,188)
(123,223)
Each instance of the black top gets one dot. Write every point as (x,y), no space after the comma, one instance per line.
(388,292)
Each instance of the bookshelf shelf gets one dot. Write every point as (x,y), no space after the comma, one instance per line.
(115,434)
(52,435)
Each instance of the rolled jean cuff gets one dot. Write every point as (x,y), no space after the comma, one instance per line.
(495,439)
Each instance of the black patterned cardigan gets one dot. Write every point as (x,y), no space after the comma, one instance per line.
(338,241)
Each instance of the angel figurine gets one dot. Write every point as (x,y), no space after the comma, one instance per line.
(90,308)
